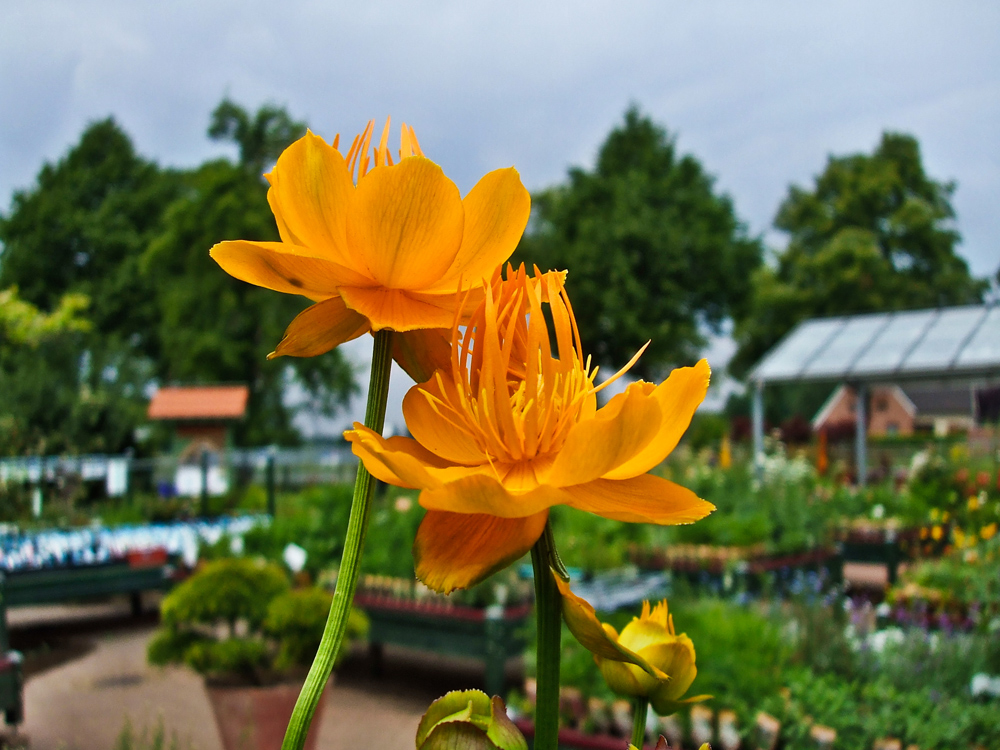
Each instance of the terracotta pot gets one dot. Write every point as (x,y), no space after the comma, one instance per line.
(255,718)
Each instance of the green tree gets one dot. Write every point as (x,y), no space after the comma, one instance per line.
(23,324)
(260,138)
(213,328)
(79,231)
(82,228)
(104,223)
(875,233)
(24,330)
(653,252)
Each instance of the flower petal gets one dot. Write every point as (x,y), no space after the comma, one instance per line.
(598,638)
(676,658)
(640,632)
(284,268)
(422,352)
(496,213)
(458,550)
(319,328)
(409,467)
(482,493)
(403,462)
(642,499)
(596,446)
(665,707)
(436,432)
(396,309)
(622,678)
(679,395)
(406,222)
(310,194)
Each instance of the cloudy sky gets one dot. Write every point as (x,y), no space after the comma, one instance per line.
(760,90)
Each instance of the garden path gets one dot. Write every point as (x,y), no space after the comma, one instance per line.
(81,701)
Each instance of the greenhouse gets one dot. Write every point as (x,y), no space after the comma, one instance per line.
(958,346)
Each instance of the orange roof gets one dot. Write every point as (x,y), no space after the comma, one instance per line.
(199,402)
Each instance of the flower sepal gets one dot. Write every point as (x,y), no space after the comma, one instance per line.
(468,720)
(661,744)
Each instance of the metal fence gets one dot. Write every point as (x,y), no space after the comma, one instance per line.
(203,474)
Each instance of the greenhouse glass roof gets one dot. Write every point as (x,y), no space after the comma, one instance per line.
(908,345)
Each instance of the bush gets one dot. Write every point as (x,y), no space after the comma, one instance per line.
(297,619)
(225,591)
(236,618)
(234,657)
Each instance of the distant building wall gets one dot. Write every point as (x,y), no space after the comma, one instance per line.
(892,413)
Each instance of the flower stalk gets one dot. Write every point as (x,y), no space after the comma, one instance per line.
(548,613)
(641,708)
(350,564)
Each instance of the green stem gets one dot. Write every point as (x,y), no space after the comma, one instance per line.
(641,706)
(350,562)
(548,611)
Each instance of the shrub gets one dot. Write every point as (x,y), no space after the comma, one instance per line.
(297,618)
(225,591)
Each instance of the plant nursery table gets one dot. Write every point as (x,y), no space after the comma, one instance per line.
(731,568)
(888,548)
(140,572)
(491,634)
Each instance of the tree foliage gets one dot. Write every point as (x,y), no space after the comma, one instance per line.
(654,253)
(261,137)
(213,328)
(874,233)
(107,225)
(82,228)
(23,324)
(78,233)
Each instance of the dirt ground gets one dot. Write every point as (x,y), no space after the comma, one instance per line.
(87,675)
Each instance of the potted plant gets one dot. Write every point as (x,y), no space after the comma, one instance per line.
(237,623)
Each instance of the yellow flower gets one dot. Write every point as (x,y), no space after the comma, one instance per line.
(936,533)
(510,430)
(725,453)
(388,253)
(988,531)
(647,660)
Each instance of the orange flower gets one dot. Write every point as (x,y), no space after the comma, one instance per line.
(389,253)
(511,430)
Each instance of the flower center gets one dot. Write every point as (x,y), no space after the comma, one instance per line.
(358,159)
(508,390)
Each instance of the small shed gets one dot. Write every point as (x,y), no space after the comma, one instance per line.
(202,415)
